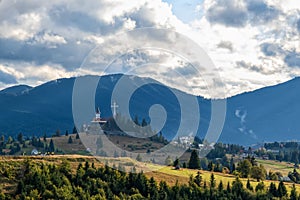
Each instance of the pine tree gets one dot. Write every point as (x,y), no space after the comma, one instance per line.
(20,137)
(136,120)
(74,130)
(273,190)
(70,141)
(67,133)
(293,195)
(228,189)
(212,181)
(77,136)
(144,123)
(198,179)
(248,185)
(281,191)
(220,187)
(260,187)
(194,162)
(45,137)
(51,146)
(176,163)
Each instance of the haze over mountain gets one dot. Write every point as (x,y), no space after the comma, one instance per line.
(268,114)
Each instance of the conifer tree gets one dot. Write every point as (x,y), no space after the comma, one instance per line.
(70,141)
(194,162)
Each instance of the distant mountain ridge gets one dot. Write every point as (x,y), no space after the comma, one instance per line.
(16,90)
(267,114)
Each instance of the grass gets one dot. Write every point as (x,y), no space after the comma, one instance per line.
(275,166)
(160,173)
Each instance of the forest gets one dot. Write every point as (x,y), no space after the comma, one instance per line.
(40,180)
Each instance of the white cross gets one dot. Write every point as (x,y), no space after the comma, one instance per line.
(114,106)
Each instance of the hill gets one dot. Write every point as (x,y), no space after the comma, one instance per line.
(268,114)
(11,168)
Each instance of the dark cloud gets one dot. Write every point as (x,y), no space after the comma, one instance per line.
(292,59)
(228,13)
(7,78)
(256,68)
(270,49)
(260,12)
(226,45)
(69,55)
(231,13)
(83,21)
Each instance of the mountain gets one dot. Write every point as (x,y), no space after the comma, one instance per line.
(268,114)
(16,90)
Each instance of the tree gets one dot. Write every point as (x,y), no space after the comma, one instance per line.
(237,186)
(9,140)
(248,185)
(293,195)
(139,158)
(77,136)
(74,130)
(2,138)
(212,181)
(273,189)
(20,137)
(67,133)
(260,186)
(144,123)
(210,166)
(281,191)
(70,141)
(194,162)
(220,187)
(258,173)
(136,120)
(198,179)
(244,167)
(176,163)
(45,137)
(51,146)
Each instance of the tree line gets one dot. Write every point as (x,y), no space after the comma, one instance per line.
(39,180)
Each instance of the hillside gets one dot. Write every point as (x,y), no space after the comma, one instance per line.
(13,165)
(267,114)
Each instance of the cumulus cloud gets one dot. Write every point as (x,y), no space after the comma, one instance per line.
(230,13)
(260,12)
(253,43)
(236,13)
(292,59)
(270,49)
(226,45)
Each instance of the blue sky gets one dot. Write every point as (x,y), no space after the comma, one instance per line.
(252,43)
(186,10)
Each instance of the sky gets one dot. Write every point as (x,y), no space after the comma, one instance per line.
(252,43)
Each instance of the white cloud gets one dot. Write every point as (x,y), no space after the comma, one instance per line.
(52,38)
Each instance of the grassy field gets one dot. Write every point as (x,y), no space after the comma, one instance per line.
(282,167)
(168,174)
